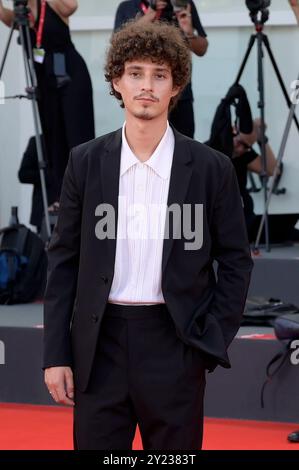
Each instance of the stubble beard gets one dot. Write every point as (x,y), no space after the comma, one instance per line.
(144,115)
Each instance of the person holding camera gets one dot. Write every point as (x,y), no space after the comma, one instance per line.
(184,15)
(246,159)
(64,85)
(236,140)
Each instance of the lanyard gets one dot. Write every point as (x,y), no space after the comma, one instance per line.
(41,23)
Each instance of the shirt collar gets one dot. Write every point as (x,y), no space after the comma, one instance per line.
(160,161)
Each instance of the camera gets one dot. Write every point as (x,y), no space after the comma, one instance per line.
(21,11)
(19,4)
(173,6)
(179,5)
(258,6)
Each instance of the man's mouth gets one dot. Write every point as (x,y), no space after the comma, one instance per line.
(150,99)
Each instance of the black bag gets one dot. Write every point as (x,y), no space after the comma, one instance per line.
(286,328)
(23,265)
(262,312)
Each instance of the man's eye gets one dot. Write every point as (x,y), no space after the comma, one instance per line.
(160,75)
(134,74)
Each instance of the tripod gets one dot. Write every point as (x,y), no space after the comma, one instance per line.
(21,22)
(279,160)
(262,40)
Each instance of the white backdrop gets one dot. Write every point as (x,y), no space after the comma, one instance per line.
(229,28)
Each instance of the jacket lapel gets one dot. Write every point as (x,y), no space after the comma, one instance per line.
(180,177)
(110,183)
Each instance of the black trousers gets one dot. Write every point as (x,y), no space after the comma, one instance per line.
(142,374)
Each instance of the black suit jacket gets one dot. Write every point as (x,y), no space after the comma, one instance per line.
(206,312)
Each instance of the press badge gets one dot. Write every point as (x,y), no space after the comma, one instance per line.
(39,55)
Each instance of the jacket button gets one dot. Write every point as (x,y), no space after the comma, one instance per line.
(94,318)
(104,279)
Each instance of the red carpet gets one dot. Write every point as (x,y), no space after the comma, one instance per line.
(24,427)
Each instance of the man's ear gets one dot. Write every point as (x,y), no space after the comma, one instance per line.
(175,91)
(115,83)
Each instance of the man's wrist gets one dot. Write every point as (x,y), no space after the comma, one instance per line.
(190,35)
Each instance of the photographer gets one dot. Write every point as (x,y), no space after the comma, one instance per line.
(237,140)
(245,159)
(187,19)
(64,86)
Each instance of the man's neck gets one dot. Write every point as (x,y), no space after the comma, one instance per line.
(144,137)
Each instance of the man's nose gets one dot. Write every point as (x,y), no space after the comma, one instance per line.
(147,83)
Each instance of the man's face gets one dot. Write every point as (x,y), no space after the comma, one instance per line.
(240,146)
(146,89)
(243,142)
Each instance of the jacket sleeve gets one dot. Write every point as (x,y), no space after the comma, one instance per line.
(231,251)
(63,259)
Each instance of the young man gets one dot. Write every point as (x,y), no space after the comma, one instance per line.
(187,19)
(132,320)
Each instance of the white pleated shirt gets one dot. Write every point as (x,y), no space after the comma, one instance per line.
(142,206)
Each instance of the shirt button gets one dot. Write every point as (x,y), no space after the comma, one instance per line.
(140,187)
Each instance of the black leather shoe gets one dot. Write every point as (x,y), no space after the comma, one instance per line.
(294,436)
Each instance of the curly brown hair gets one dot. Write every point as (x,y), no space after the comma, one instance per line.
(158,42)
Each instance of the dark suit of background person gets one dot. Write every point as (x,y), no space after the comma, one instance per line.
(64,84)
(205,314)
(182,116)
(62,100)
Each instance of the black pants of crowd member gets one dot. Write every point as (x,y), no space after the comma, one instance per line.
(182,117)
(142,374)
